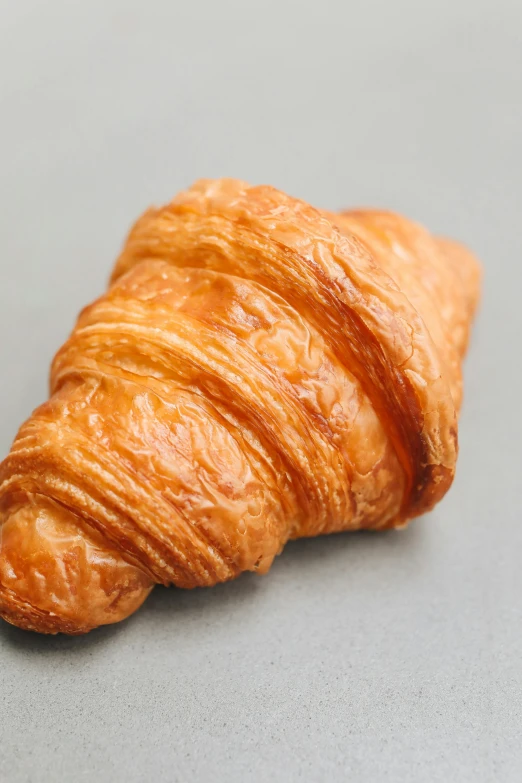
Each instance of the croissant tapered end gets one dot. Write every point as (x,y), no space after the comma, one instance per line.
(257,371)
(57,576)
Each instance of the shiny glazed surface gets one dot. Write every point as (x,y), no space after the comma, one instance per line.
(257,371)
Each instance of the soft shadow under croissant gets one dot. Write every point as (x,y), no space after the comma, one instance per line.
(257,371)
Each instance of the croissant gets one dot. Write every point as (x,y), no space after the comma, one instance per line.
(257,371)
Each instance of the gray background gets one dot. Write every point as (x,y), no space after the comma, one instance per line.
(369,657)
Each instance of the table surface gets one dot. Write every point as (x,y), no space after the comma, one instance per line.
(393,657)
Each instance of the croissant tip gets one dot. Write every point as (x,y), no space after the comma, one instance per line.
(57,576)
(27,617)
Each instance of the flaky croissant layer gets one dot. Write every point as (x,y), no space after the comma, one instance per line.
(257,371)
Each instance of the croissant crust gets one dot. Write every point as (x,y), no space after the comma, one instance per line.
(257,371)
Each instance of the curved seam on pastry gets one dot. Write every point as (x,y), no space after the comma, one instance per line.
(162,550)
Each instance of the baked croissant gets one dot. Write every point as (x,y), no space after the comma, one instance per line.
(257,371)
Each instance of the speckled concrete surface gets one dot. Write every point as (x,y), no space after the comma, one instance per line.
(371,658)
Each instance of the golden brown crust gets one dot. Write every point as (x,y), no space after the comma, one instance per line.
(426,269)
(287,246)
(257,371)
(57,575)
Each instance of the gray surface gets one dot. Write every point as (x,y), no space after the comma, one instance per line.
(392,657)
